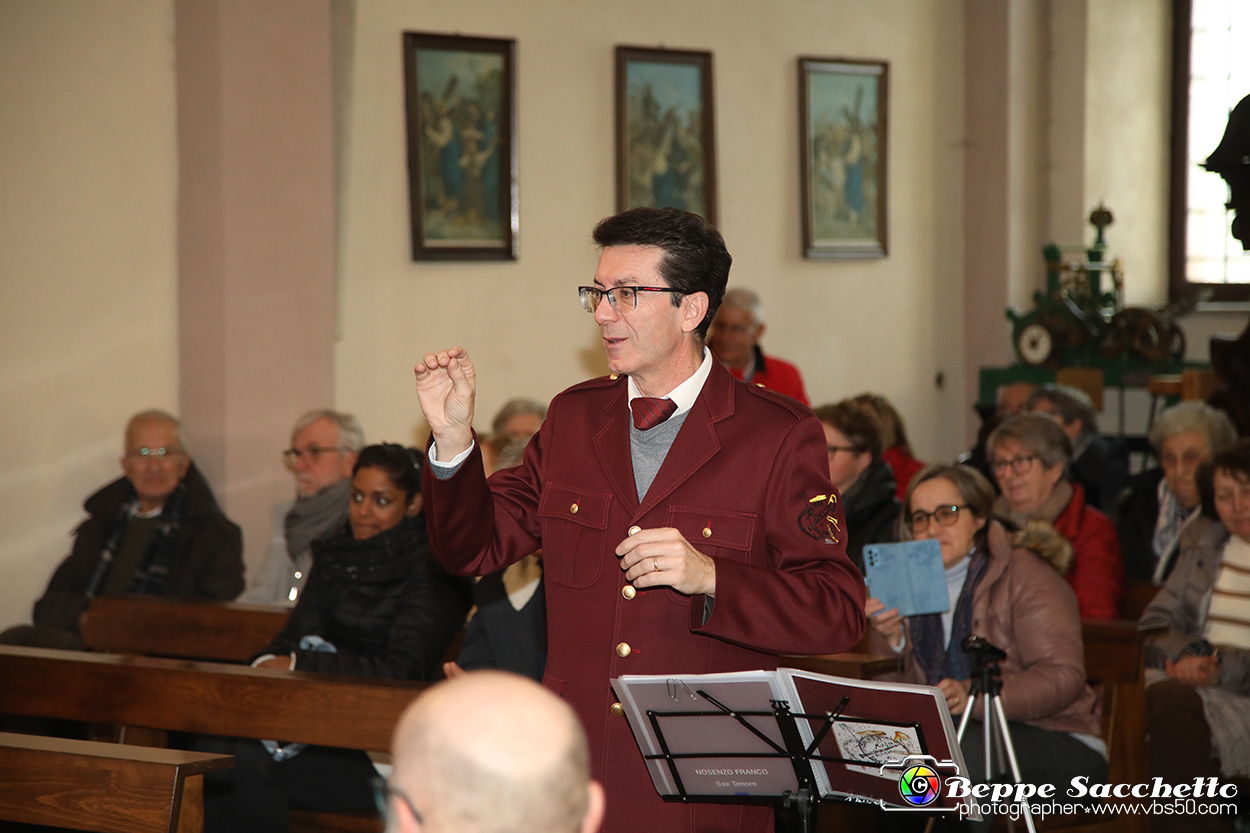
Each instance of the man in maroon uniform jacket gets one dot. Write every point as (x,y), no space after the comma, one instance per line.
(702,535)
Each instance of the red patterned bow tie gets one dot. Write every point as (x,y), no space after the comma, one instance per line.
(650,411)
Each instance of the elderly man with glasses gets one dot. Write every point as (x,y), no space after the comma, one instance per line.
(324,446)
(157,530)
(686,518)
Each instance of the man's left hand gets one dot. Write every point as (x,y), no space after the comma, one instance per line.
(663,558)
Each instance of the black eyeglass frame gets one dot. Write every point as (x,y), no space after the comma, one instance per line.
(954,509)
(383,792)
(586,293)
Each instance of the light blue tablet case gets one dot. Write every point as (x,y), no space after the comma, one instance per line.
(907,575)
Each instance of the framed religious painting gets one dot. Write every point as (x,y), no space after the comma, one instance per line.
(665,130)
(462,184)
(843,109)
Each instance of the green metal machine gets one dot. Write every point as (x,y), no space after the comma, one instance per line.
(1081,321)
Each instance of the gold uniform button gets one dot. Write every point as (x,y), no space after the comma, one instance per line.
(617,709)
(759,384)
(614,376)
(707,532)
(573,508)
(623,649)
(628,591)
(634,530)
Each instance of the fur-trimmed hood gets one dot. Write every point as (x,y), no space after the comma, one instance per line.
(1041,538)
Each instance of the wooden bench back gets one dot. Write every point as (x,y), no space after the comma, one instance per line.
(104,787)
(203,697)
(201,630)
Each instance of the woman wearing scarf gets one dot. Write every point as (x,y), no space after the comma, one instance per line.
(376,604)
(1160,502)
(1001,590)
(1029,455)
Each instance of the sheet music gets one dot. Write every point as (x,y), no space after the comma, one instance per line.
(757,768)
(698,742)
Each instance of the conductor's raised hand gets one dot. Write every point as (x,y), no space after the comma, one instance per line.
(664,558)
(446,389)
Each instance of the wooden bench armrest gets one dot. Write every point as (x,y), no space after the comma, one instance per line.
(105,787)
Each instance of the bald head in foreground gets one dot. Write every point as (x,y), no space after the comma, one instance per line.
(489,752)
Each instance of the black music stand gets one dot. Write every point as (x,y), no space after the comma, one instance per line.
(719,747)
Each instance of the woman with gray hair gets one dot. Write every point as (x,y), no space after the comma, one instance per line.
(1028,455)
(1160,502)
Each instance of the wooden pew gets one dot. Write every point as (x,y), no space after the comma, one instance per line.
(1115,664)
(104,787)
(209,698)
(203,697)
(187,629)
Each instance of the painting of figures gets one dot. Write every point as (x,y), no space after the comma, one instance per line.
(843,128)
(665,153)
(461,153)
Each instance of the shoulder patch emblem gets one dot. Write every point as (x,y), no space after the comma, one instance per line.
(819,519)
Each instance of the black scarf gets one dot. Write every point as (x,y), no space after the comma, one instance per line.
(927,633)
(389,555)
(150,575)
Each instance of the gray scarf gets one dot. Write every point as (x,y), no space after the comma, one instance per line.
(1048,511)
(314,516)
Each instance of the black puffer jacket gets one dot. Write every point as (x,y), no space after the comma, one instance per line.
(388,608)
(1137,513)
(872,508)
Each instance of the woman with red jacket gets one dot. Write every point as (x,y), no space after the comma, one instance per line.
(1028,454)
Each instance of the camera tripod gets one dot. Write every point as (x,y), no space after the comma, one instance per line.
(987,683)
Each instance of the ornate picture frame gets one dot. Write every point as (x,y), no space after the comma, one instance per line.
(843,135)
(665,130)
(462,158)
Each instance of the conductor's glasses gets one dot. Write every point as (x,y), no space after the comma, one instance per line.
(944,515)
(622,298)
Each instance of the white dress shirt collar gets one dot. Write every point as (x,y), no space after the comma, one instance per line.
(688,391)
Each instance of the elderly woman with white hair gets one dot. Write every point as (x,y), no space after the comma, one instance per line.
(1029,454)
(1160,502)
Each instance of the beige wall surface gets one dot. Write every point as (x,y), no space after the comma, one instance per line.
(886,325)
(87,262)
(1128,124)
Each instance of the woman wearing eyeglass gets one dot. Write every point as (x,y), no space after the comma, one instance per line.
(1029,455)
(1001,590)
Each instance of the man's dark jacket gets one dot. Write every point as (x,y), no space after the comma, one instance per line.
(208,563)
